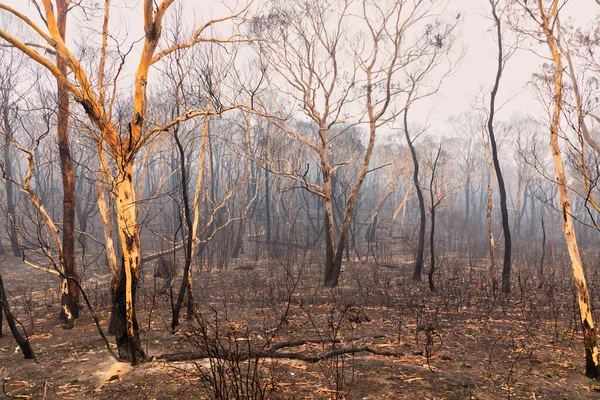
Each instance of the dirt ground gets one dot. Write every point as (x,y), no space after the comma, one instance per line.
(460,342)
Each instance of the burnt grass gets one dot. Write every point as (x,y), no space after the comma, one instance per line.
(462,341)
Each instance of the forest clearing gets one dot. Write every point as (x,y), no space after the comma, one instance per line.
(457,343)
(271,199)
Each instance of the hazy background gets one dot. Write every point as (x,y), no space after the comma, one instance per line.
(459,94)
(478,69)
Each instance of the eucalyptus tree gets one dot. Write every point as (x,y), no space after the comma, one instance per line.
(542,21)
(69,286)
(121,143)
(502,56)
(579,48)
(340,64)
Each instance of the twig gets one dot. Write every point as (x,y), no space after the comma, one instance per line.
(17,396)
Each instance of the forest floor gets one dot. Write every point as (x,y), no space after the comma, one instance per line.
(459,342)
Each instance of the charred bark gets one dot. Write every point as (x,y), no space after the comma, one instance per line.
(434,205)
(126,326)
(542,256)
(21,340)
(490,227)
(493,144)
(70,292)
(129,346)
(422,221)
(186,281)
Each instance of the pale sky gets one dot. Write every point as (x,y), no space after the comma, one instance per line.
(459,91)
(478,69)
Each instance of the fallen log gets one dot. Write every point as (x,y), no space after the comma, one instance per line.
(273,352)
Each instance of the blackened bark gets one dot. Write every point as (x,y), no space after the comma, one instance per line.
(433,207)
(501,186)
(66,167)
(543,255)
(190,240)
(330,267)
(175,181)
(421,246)
(21,340)
(239,238)
(432,248)
(124,345)
(116,276)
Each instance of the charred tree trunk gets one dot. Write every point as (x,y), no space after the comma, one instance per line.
(432,250)
(70,292)
(497,169)
(331,269)
(422,221)
(21,340)
(127,329)
(434,204)
(192,217)
(490,225)
(175,181)
(106,209)
(543,255)
(190,240)
(335,251)
(334,265)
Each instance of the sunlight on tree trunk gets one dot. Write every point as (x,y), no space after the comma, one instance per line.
(548,22)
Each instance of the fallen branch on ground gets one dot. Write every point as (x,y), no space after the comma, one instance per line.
(272,352)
